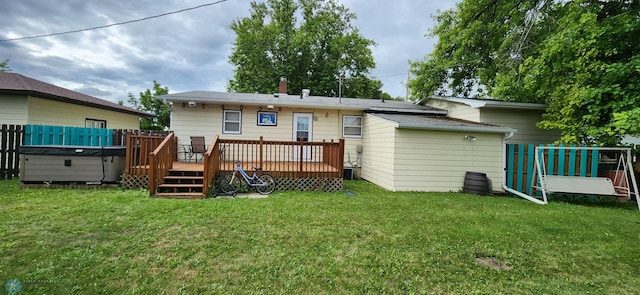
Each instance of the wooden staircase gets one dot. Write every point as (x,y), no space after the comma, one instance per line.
(182,184)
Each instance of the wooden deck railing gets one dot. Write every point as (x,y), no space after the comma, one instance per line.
(142,148)
(160,161)
(284,158)
(211,165)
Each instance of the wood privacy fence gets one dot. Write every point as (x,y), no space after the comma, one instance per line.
(521,164)
(14,136)
(9,145)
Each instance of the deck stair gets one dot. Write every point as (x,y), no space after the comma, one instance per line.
(182,184)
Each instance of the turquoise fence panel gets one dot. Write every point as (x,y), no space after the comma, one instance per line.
(521,166)
(561,159)
(530,167)
(510,163)
(59,135)
(70,132)
(594,162)
(583,162)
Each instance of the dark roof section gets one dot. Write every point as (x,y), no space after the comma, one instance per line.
(16,84)
(405,121)
(324,102)
(488,103)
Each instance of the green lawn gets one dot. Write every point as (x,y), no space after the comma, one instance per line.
(122,242)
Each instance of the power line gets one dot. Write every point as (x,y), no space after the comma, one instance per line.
(115,24)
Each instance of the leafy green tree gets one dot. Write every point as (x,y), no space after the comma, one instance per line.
(4,66)
(311,53)
(581,57)
(147,102)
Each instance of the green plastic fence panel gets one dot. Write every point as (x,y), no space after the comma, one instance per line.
(530,167)
(561,159)
(510,163)
(59,135)
(520,166)
(594,162)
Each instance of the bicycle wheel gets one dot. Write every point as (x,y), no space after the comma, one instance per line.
(268,185)
(227,186)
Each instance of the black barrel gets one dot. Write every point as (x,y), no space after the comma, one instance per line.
(476,183)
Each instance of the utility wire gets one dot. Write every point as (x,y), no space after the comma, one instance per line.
(114,24)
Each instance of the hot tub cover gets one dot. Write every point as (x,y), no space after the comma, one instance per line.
(69,150)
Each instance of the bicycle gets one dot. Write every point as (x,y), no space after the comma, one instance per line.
(230,183)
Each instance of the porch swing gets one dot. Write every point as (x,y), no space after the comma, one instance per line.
(623,183)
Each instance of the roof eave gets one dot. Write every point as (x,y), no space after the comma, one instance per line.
(497,104)
(74,101)
(480,129)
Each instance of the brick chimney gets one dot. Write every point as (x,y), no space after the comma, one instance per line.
(282,86)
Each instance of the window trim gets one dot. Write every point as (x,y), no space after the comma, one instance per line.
(344,117)
(87,120)
(225,121)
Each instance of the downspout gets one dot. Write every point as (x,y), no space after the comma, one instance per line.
(504,174)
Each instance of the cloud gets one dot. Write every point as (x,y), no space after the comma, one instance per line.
(185,51)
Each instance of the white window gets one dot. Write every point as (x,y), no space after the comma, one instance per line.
(94,123)
(351,126)
(232,122)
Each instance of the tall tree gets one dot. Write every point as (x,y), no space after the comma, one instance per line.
(582,57)
(311,53)
(147,102)
(4,66)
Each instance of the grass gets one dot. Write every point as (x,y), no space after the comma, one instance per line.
(111,241)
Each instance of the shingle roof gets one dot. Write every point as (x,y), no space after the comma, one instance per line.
(296,101)
(13,83)
(489,103)
(414,121)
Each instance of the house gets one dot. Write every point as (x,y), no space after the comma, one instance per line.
(24,100)
(398,145)
(516,115)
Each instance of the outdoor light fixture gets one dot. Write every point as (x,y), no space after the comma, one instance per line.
(470,137)
(184,104)
(280,109)
(269,106)
(241,107)
(203,106)
(260,109)
(192,104)
(222,107)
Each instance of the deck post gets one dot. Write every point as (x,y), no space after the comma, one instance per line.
(340,163)
(301,153)
(152,175)
(261,143)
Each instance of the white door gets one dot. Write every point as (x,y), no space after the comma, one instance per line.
(302,128)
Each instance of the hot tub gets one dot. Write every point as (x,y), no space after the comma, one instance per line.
(71,164)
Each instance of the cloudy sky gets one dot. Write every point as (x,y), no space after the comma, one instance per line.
(185,51)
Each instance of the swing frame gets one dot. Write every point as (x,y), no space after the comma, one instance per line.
(623,185)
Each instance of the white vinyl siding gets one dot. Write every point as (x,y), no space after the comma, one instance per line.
(456,110)
(14,110)
(524,121)
(378,158)
(351,126)
(429,160)
(49,112)
(232,122)
(207,122)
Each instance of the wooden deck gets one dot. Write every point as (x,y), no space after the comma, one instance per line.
(269,166)
(299,165)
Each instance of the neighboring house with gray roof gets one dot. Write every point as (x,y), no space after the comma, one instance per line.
(517,115)
(24,100)
(398,145)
